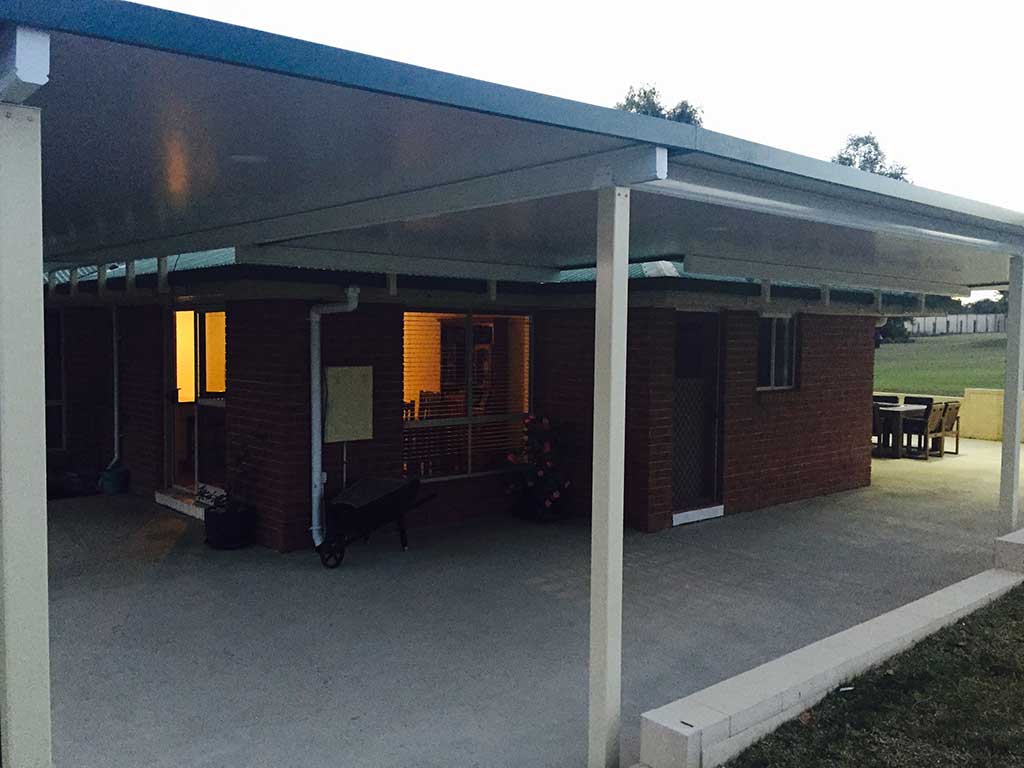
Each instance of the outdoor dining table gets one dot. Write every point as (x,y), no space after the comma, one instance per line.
(895,415)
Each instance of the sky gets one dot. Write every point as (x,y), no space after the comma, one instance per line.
(936,82)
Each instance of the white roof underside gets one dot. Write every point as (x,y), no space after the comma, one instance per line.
(138,148)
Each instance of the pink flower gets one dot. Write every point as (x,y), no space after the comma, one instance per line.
(511,457)
(556,495)
(547,503)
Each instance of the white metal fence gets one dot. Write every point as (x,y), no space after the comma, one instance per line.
(946,324)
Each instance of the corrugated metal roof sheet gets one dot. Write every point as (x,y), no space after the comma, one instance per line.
(182,262)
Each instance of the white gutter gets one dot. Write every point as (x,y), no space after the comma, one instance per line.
(316,406)
(117,393)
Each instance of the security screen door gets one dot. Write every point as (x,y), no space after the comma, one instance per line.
(695,444)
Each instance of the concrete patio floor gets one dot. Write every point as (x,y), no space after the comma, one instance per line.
(470,648)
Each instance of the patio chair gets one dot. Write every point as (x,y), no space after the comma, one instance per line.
(915,426)
(951,424)
(929,431)
(877,426)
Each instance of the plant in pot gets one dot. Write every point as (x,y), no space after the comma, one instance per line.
(540,483)
(229,516)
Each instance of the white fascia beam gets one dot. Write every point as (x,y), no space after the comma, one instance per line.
(612,292)
(696,264)
(24,62)
(714,188)
(345,261)
(162,284)
(129,277)
(24,599)
(1009,472)
(622,167)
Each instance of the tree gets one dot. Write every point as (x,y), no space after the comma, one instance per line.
(646,100)
(864,152)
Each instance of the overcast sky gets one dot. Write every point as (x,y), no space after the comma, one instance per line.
(937,82)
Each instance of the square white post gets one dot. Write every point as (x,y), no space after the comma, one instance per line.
(1009,472)
(609,456)
(24,609)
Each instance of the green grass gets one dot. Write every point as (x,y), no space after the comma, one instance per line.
(942,365)
(956,699)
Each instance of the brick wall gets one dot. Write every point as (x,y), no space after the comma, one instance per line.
(815,439)
(88,380)
(142,393)
(564,391)
(267,416)
(370,336)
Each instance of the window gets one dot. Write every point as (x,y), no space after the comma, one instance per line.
(56,406)
(776,353)
(210,357)
(466,382)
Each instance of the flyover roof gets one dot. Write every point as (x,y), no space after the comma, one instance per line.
(164,133)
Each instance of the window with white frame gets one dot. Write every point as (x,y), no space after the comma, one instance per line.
(466,384)
(776,352)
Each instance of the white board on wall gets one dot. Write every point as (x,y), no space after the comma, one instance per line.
(348,413)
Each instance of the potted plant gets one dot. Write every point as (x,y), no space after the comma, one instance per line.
(228,515)
(541,483)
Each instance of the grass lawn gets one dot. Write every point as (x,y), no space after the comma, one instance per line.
(942,365)
(957,699)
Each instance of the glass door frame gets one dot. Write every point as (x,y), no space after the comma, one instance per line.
(202,397)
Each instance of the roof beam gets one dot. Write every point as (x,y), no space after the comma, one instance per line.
(620,167)
(346,261)
(24,62)
(855,278)
(714,188)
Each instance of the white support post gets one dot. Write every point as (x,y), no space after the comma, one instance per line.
(878,302)
(826,296)
(766,291)
(161,274)
(609,456)
(24,608)
(392,284)
(129,277)
(492,290)
(101,280)
(1009,472)
(51,282)
(73,281)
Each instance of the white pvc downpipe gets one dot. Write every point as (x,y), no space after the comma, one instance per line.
(117,392)
(316,406)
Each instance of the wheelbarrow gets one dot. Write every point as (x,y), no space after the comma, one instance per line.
(364,507)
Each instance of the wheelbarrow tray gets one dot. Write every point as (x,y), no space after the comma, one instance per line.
(364,507)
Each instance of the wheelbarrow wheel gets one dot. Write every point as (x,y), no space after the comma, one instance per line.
(331,554)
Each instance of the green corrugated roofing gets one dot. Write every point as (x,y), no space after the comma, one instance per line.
(182,262)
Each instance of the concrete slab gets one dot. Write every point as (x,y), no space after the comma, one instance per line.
(471,647)
(1010,551)
(755,703)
